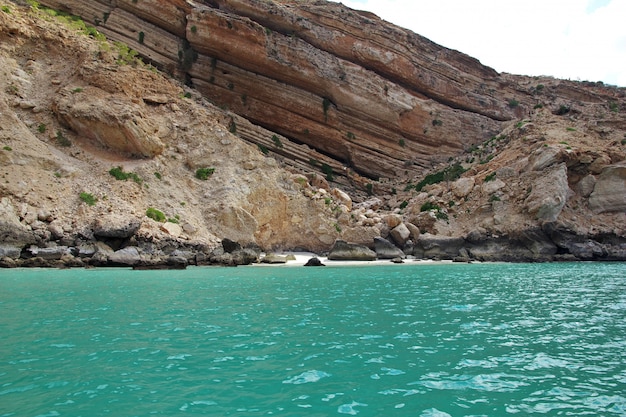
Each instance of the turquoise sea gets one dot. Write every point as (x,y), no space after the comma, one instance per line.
(394,340)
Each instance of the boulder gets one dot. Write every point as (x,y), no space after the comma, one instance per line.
(272,258)
(400,234)
(344,251)
(116,226)
(13,234)
(549,194)
(609,193)
(440,247)
(387,250)
(342,197)
(127,256)
(462,187)
(586,185)
(314,262)
(171,229)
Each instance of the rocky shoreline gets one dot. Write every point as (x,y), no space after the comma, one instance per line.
(537,246)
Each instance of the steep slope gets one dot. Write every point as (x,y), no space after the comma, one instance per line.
(520,168)
(71,111)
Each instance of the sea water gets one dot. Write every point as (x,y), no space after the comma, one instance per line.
(396,340)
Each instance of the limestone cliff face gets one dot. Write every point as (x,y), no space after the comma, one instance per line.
(316,123)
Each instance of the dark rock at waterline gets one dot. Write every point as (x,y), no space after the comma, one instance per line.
(314,262)
(387,250)
(230,246)
(344,251)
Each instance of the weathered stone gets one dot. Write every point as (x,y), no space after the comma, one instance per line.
(127,256)
(272,258)
(609,193)
(400,234)
(314,262)
(386,250)
(230,245)
(171,229)
(342,197)
(392,220)
(549,194)
(344,251)
(113,122)
(586,185)
(462,187)
(440,247)
(116,226)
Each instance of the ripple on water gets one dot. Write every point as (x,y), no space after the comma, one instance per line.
(350,409)
(307,377)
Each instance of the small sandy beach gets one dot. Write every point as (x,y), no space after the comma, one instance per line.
(301,258)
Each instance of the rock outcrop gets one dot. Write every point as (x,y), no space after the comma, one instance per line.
(278,125)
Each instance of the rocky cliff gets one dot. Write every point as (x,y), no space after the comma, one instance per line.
(284,125)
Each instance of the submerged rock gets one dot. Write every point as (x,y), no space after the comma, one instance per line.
(314,262)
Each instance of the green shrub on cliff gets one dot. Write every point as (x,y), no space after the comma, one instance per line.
(88,198)
(120,175)
(450,173)
(204,173)
(156,215)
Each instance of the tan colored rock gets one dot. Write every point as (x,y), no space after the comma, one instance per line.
(609,193)
(343,197)
(549,194)
(400,234)
(171,229)
(462,187)
(392,220)
(114,122)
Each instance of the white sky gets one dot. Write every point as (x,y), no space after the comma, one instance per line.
(581,40)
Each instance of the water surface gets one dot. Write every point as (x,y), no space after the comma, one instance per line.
(397,340)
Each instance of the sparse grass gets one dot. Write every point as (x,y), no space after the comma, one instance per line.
(41,128)
(77,90)
(88,198)
(325,106)
(571,129)
(263,149)
(6,9)
(120,175)
(156,215)
(494,198)
(402,143)
(204,173)
(513,103)
(450,173)
(404,204)
(490,177)
(439,213)
(277,141)
(158,175)
(7,148)
(437,122)
(62,140)
(328,171)
(614,106)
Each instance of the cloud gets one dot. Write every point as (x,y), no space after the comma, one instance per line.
(574,39)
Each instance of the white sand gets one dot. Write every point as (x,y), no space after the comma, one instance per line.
(303,257)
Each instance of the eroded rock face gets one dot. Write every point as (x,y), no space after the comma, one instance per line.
(549,194)
(609,193)
(112,121)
